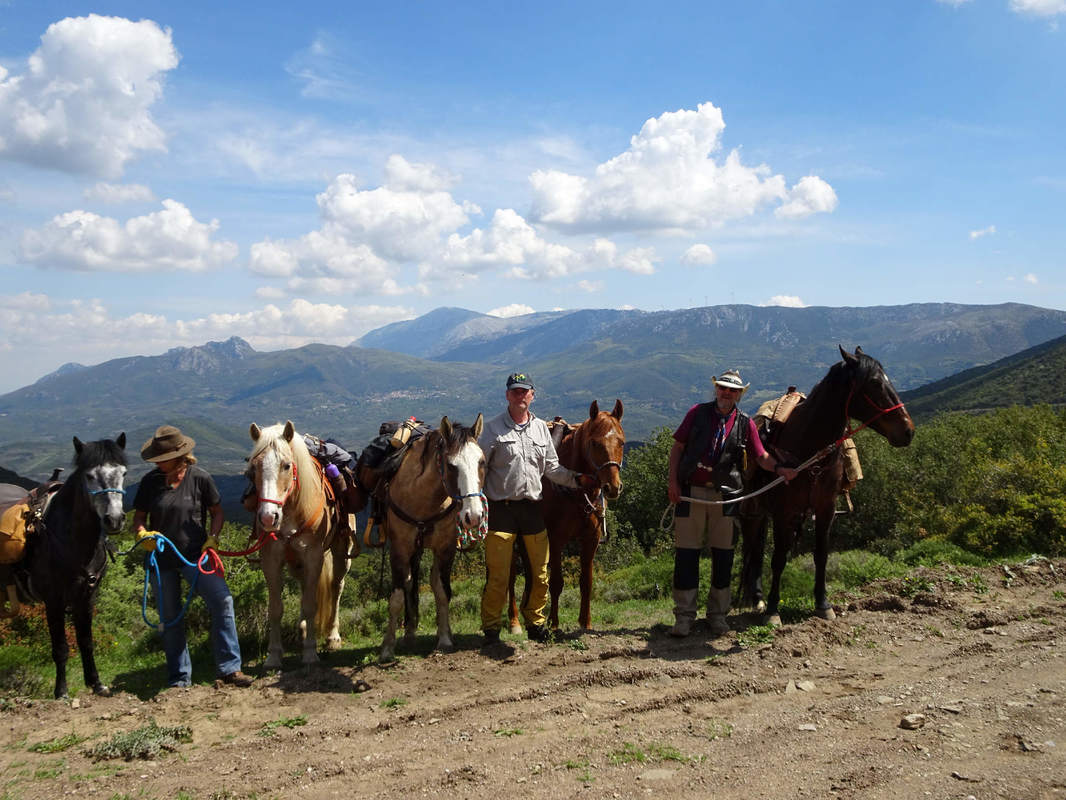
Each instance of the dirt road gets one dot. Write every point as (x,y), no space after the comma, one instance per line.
(817,713)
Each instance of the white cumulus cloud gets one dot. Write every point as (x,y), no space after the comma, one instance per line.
(115,193)
(811,195)
(671,179)
(1030,278)
(171,239)
(511,242)
(786,301)
(1039,8)
(991,229)
(512,310)
(698,255)
(82,102)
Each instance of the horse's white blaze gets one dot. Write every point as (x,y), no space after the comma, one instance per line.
(467,482)
(269,495)
(107,504)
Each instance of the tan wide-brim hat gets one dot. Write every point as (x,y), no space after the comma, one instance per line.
(731,380)
(169,442)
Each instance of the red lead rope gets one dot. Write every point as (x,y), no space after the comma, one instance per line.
(849,432)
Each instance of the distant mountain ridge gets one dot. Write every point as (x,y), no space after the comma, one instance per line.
(453,361)
(1035,375)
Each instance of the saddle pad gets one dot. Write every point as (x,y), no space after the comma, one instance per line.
(13,533)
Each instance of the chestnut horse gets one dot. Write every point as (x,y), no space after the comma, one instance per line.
(294,506)
(855,388)
(594,447)
(435,495)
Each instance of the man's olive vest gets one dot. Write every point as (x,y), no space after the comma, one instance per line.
(727,474)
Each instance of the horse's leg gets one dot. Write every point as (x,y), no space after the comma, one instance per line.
(399,562)
(312,570)
(339,554)
(823,521)
(440,579)
(83,631)
(273,556)
(56,616)
(512,604)
(590,541)
(784,531)
(753,527)
(410,606)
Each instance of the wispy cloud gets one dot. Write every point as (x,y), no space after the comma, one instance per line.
(991,229)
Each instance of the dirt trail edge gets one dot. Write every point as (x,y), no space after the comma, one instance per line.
(949,684)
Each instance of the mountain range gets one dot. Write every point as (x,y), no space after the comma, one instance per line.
(454,361)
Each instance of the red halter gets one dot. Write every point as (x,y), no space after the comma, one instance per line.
(849,432)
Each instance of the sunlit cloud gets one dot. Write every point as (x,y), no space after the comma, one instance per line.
(512,310)
(991,229)
(699,255)
(786,301)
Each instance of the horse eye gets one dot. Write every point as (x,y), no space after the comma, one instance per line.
(286,466)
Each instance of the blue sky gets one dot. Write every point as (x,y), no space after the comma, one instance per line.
(174,173)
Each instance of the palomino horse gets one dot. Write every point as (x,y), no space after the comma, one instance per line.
(594,447)
(293,505)
(854,388)
(436,492)
(66,558)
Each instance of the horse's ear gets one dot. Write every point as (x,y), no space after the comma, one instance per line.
(848,357)
(121,441)
(253,431)
(78,445)
(289,432)
(446,427)
(479,423)
(594,409)
(858,351)
(617,413)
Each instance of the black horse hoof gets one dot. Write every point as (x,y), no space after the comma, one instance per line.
(101,691)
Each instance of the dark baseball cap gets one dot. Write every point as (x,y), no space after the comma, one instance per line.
(519,380)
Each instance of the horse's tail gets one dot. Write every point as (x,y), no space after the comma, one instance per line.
(324,595)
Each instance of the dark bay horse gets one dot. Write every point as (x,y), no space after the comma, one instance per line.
(854,388)
(66,558)
(435,494)
(293,503)
(595,447)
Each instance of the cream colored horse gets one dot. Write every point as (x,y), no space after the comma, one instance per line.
(292,504)
(436,492)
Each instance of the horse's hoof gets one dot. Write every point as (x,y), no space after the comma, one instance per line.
(387,657)
(773,620)
(444,647)
(101,691)
(516,629)
(272,665)
(826,613)
(333,643)
(760,607)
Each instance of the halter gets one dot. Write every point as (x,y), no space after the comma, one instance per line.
(848,430)
(288,493)
(466,535)
(95,492)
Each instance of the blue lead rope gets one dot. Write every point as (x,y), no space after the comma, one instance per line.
(152,563)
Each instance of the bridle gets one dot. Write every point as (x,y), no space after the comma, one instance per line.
(848,430)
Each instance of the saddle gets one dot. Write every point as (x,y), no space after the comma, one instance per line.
(379,462)
(21,513)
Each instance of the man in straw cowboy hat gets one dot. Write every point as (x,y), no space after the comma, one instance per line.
(707,461)
(175,499)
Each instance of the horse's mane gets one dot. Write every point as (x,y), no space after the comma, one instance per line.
(270,436)
(840,375)
(461,435)
(93,454)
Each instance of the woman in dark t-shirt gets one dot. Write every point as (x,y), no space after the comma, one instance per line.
(176,499)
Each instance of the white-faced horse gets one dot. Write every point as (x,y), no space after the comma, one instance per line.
(435,494)
(293,505)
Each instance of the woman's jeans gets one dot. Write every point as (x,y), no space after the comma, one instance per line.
(215,592)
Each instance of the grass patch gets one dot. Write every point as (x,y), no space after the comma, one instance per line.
(394,702)
(59,744)
(271,728)
(755,635)
(719,729)
(628,753)
(147,742)
(508,732)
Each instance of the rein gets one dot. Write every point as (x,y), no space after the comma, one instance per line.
(666,522)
